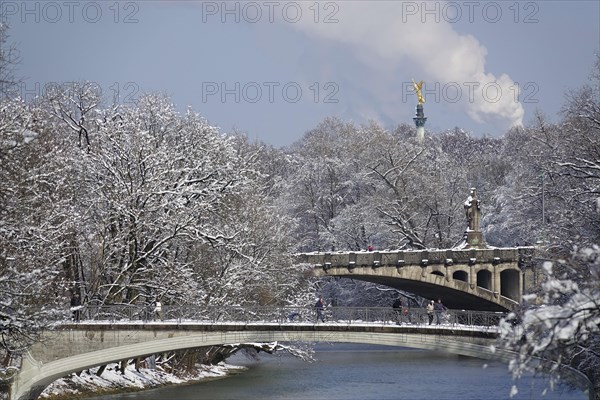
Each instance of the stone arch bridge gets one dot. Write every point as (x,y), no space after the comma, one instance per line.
(491,279)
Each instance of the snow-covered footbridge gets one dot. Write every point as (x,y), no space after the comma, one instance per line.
(490,279)
(115,333)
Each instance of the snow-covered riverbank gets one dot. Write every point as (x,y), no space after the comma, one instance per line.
(112,380)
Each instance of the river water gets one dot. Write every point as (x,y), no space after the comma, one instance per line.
(347,372)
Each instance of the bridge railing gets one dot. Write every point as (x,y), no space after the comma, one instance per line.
(285,315)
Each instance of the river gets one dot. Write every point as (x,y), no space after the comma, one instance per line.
(361,372)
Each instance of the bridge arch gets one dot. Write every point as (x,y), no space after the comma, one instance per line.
(510,283)
(484,279)
(35,376)
(460,275)
(430,282)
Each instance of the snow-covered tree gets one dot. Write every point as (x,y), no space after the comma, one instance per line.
(326,179)
(562,331)
(126,205)
(76,107)
(552,185)
(424,187)
(9,58)
(30,245)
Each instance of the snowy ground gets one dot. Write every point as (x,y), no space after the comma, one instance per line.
(112,379)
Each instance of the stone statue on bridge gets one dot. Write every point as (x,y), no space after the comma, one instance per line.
(473,211)
(474,237)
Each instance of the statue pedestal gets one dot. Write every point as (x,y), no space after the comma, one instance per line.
(475,240)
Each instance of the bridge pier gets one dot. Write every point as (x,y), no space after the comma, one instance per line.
(496,281)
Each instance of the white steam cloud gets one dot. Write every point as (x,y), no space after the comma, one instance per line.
(389,35)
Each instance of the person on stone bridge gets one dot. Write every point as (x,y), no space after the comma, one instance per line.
(439,309)
(406,311)
(158,314)
(397,306)
(319,305)
(430,309)
(76,307)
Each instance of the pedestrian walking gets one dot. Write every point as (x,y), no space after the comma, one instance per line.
(158,310)
(319,305)
(439,308)
(397,306)
(76,307)
(430,311)
(406,311)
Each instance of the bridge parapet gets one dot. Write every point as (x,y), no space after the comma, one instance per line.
(214,315)
(353,259)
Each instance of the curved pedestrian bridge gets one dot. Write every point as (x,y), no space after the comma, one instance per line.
(112,334)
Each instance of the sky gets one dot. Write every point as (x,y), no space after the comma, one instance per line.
(273,70)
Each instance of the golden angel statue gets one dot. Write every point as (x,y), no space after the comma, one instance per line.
(418,87)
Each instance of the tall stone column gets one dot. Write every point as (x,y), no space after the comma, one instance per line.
(420,120)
